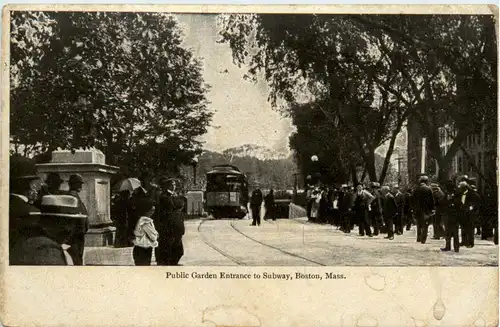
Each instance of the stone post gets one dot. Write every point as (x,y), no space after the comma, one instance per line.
(96,192)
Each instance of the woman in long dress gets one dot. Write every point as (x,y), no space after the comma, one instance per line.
(269,203)
(316,198)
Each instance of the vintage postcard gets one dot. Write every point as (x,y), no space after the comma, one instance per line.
(292,165)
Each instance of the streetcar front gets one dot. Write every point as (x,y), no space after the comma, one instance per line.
(226,194)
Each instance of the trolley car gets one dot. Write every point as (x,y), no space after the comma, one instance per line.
(227,192)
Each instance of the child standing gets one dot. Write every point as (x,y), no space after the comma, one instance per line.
(146,236)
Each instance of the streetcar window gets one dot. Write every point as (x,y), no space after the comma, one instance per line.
(224,183)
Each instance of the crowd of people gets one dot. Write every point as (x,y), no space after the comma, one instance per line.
(151,217)
(47,225)
(256,200)
(451,208)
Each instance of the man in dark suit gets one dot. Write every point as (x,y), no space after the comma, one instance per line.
(255,204)
(22,216)
(345,207)
(437,221)
(169,222)
(449,205)
(361,202)
(376,209)
(399,198)
(423,201)
(390,210)
(77,242)
(467,208)
(407,209)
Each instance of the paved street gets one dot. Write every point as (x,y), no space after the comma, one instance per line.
(295,242)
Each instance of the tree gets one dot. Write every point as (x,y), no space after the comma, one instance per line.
(121,82)
(455,57)
(339,65)
(315,136)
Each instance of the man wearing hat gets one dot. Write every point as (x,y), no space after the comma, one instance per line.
(345,205)
(22,215)
(476,215)
(169,221)
(399,198)
(437,222)
(52,186)
(361,202)
(424,207)
(376,208)
(449,213)
(43,245)
(467,206)
(77,242)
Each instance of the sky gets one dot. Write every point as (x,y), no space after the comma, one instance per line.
(242,113)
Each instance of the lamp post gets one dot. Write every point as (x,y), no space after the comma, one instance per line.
(314,160)
(295,184)
(399,164)
(195,164)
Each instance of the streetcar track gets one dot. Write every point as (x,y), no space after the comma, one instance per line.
(210,244)
(275,248)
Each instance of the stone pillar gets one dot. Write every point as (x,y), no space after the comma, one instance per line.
(194,203)
(96,192)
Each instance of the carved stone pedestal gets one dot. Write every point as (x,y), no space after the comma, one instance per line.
(96,192)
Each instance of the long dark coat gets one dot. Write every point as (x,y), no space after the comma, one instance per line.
(390,208)
(22,218)
(38,250)
(423,200)
(169,222)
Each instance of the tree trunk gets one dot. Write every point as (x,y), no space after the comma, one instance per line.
(363,175)
(447,158)
(354,175)
(444,171)
(388,155)
(370,166)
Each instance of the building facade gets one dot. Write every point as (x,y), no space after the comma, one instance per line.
(477,157)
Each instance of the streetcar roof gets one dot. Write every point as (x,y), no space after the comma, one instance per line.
(225,169)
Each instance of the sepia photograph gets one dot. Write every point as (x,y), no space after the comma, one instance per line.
(155,138)
(224,165)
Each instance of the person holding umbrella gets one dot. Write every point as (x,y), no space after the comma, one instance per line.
(122,211)
(145,190)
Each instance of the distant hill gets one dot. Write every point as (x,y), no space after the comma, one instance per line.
(263,167)
(257,151)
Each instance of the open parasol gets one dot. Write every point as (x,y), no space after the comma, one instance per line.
(129,184)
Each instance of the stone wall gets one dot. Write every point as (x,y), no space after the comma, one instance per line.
(295,211)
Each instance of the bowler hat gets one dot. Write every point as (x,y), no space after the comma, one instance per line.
(76,179)
(472,181)
(423,179)
(166,179)
(22,168)
(65,206)
(54,178)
